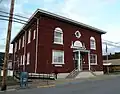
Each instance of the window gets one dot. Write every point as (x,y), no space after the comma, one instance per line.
(15,46)
(28,58)
(21,60)
(23,42)
(58,36)
(29,36)
(92,43)
(34,34)
(93,59)
(57,57)
(19,43)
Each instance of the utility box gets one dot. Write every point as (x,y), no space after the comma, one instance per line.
(23,79)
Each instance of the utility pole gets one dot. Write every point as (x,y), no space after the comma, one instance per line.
(4,85)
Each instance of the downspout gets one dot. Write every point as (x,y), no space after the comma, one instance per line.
(36,61)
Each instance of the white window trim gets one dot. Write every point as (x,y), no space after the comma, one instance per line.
(29,36)
(93,39)
(96,60)
(19,44)
(34,34)
(15,46)
(57,63)
(60,31)
(21,60)
(28,58)
(23,41)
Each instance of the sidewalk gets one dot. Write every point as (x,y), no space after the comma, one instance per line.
(60,82)
(73,81)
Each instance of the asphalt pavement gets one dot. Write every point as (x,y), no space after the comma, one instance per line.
(103,86)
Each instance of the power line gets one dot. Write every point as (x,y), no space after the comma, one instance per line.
(1,1)
(14,14)
(13,18)
(111,41)
(110,44)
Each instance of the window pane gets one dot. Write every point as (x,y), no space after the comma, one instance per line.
(92,43)
(23,42)
(93,58)
(58,57)
(58,34)
(34,34)
(58,37)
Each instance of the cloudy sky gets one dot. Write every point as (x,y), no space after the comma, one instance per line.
(102,14)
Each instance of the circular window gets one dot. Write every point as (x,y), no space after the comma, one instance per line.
(77,34)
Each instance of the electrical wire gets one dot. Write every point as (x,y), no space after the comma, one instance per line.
(12,20)
(1,1)
(21,21)
(14,14)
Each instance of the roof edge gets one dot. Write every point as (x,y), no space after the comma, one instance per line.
(58,16)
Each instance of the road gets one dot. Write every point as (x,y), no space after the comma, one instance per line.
(106,86)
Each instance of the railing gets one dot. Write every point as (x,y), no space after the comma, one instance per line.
(35,76)
(71,74)
(92,68)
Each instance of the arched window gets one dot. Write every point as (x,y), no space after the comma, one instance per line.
(58,36)
(92,43)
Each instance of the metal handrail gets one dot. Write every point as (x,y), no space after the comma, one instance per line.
(93,69)
(72,72)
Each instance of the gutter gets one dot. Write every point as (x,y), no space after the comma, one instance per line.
(58,17)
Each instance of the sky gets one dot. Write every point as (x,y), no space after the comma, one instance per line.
(102,14)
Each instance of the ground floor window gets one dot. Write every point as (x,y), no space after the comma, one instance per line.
(93,59)
(28,58)
(57,57)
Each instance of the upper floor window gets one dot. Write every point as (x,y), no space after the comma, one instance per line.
(93,59)
(23,41)
(29,36)
(34,34)
(58,36)
(92,43)
(19,43)
(15,46)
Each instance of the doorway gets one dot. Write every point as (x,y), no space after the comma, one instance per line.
(78,59)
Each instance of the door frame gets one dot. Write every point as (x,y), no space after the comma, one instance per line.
(79,57)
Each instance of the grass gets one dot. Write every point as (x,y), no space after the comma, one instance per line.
(10,81)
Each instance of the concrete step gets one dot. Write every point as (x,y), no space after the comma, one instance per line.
(85,74)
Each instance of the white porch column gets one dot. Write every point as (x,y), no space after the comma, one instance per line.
(89,59)
(79,61)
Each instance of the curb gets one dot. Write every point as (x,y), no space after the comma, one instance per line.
(8,90)
(46,86)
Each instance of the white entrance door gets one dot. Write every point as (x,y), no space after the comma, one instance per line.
(77,60)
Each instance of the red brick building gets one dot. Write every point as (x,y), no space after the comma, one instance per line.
(50,42)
